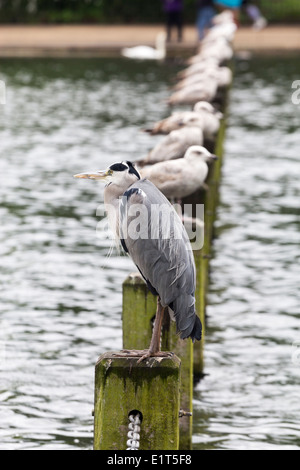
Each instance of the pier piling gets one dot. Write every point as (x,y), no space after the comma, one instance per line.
(125,389)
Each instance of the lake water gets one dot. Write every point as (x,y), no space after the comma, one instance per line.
(60,300)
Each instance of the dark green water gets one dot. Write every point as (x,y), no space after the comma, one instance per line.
(60,300)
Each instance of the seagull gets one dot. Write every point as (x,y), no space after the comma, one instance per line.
(204,115)
(204,91)
(202,66)
(180,178)
(147,52)
(219,49)
(174,145)
(226,16)
(161,250)
(223,75)
(225,30)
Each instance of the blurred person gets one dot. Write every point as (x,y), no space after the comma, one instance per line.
(205,14)
(254,13)
(234,5)
(174,13)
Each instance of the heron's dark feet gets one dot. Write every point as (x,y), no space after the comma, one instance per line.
(148,353)
(143,354)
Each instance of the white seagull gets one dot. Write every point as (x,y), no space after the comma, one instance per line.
(205,90)
(204,115)
(177,179)
(174,145)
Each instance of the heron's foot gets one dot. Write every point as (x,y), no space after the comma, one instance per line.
(142,354)
(148,353)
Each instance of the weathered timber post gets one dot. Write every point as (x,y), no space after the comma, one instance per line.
(151,388)
(191,203)
(184,350)
(209,198)
(139,308)
(198,355)
(138,313)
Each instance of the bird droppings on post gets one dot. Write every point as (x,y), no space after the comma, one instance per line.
(141,394)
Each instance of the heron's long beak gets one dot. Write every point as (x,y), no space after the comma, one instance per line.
(98,175)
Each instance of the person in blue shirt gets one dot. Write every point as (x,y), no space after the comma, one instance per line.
(234,5)
(205,14)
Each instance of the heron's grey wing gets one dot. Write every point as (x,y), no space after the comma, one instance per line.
(157,242)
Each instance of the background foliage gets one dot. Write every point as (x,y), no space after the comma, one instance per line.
(120,11)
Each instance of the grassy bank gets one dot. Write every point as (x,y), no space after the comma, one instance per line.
(119,11)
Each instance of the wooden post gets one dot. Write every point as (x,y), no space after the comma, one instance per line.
(209,198)
(152,388)
(184,350)
(139,308)
(198,355)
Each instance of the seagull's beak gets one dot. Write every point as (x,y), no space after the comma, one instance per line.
(98,175)
(213,157)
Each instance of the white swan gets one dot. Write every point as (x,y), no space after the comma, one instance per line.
(147,52)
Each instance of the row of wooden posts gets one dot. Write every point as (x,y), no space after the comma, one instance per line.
(160,390)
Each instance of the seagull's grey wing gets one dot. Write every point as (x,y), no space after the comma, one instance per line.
(153,235)
(169,148)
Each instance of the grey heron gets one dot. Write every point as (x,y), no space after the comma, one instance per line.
(164,260)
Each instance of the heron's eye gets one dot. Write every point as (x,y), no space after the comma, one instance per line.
(110,172)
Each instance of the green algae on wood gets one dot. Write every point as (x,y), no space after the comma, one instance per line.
(139,308)
(151,387)
(138,313)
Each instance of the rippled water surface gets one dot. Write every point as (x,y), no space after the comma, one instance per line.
(61,294)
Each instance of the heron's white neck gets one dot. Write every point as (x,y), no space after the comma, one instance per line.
(112,195)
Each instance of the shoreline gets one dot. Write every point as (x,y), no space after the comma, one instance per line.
(108,40)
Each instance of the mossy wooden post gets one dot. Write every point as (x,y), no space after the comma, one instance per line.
(209,198)
(184,350)
(139,308)
(151,387)
(198,354)
(189,207)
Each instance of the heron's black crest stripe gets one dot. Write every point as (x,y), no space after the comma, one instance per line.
(130,192)
(118,167)
(133,170)
(127,195)
(124,245)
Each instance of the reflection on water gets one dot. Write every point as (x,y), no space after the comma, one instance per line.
(61,294)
